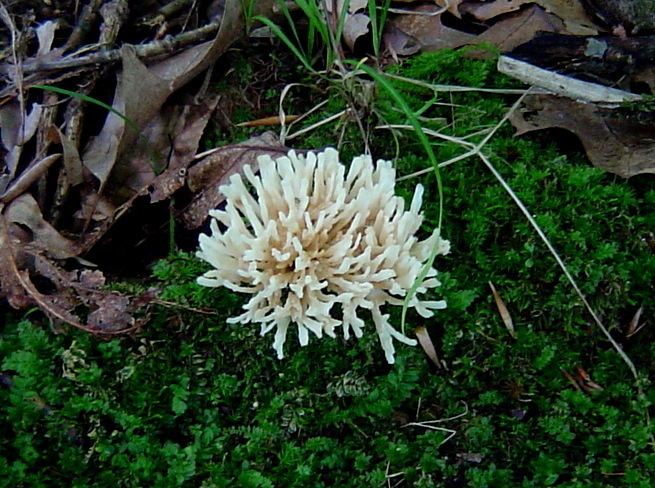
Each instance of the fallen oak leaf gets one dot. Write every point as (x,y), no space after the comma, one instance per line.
(518,28)
(620,144)
(407,34)
(572,13)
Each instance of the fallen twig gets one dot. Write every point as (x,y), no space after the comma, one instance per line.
(143,51)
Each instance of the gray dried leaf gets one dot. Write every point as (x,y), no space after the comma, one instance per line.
(17,129)
(45,34)
(355,26)
(27,177)
(25,211)
(139,96)
(181,68)
(185,135)
(72,160)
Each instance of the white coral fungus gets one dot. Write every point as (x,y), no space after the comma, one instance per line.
(313,242)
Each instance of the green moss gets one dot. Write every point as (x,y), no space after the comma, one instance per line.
(193,401)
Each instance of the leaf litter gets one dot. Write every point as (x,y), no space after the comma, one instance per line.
(100,171)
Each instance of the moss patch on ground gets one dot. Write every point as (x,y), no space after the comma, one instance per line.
(192,401)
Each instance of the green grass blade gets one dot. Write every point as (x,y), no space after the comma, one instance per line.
(275,29)
(342,21)
(377,23)
(86,98)
(287,15)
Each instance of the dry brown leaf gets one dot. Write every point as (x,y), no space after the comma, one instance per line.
(10,287)
(28,177)
(142,91)
(516,29)
(572,13)
(109,312)
(399,43)
(582,381)
(25,211)
(410,33)
(172,135)
(72,160)
(178,70)
(452,5)
(139,96)
(186,138)
(213,171)
(17,129)
(614,141)
(426,343)
(428,31)
(502,309)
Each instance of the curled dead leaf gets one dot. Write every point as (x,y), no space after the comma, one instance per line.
(207,175)
(25,211)
(613,142)
(355,26)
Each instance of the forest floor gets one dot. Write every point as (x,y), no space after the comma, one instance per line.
(159,390)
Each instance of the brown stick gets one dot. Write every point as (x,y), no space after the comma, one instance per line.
(143,51)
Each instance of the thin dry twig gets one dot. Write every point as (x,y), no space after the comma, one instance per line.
(143,51)
(430,424)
